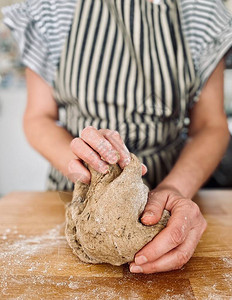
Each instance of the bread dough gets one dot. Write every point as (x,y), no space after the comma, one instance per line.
(102,221)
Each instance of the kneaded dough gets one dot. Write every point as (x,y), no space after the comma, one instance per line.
(102,221)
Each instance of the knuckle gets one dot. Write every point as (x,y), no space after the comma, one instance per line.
(114,134)
(182,259)
(172,197)
(158,196)
(108,133)
(186,203)
(75,142)
(153,194)
(154,200)
(153,267)
(204,226)
(86,131)
(177,236)
(196,210)
(107,130)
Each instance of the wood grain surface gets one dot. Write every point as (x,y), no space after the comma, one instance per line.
(37,263)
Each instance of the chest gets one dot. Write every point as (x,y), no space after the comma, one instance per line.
(126,54)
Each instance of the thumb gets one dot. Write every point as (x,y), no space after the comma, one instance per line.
(154,208)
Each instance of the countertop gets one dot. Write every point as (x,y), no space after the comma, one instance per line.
(37,263)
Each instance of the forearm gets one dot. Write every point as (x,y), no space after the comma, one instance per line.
(197,161)
(50,140)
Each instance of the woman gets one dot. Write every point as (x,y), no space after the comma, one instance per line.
(126,76)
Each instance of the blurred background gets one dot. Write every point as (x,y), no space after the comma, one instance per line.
(21,168)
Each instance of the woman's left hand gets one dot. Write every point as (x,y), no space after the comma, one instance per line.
(173,246)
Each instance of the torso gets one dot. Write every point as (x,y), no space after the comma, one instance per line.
(128,68)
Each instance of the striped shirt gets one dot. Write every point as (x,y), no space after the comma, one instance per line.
(41,26)
(198,38)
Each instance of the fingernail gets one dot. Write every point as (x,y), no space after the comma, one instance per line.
(140,260)
(148,214)
(136,269)
(126,161)
(113,159)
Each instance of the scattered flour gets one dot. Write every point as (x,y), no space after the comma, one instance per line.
(227,262)
(27,253)
(177,297)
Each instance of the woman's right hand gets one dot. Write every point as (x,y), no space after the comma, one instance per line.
(98,148)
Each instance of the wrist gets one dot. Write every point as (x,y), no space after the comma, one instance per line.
(171,187)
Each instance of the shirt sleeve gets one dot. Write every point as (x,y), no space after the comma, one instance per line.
(39,28)
(207,25)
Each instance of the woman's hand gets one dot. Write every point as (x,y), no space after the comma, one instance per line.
(174,246)
(98,148)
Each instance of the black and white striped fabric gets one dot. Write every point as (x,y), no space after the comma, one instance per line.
(132,66)
(41,26)
(125,66)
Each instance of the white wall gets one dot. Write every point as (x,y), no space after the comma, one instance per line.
(21,168)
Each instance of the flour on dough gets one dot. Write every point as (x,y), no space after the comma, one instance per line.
(102,221)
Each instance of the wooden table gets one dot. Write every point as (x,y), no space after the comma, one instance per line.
(36,262)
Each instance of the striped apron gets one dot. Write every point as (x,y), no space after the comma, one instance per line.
(126,66)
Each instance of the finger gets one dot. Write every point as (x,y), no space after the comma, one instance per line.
(172,236)
(178,257)
(116,141)
(173,260)
(154,208)
(87,154)
(144,169)
(100,144)
(77,171)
